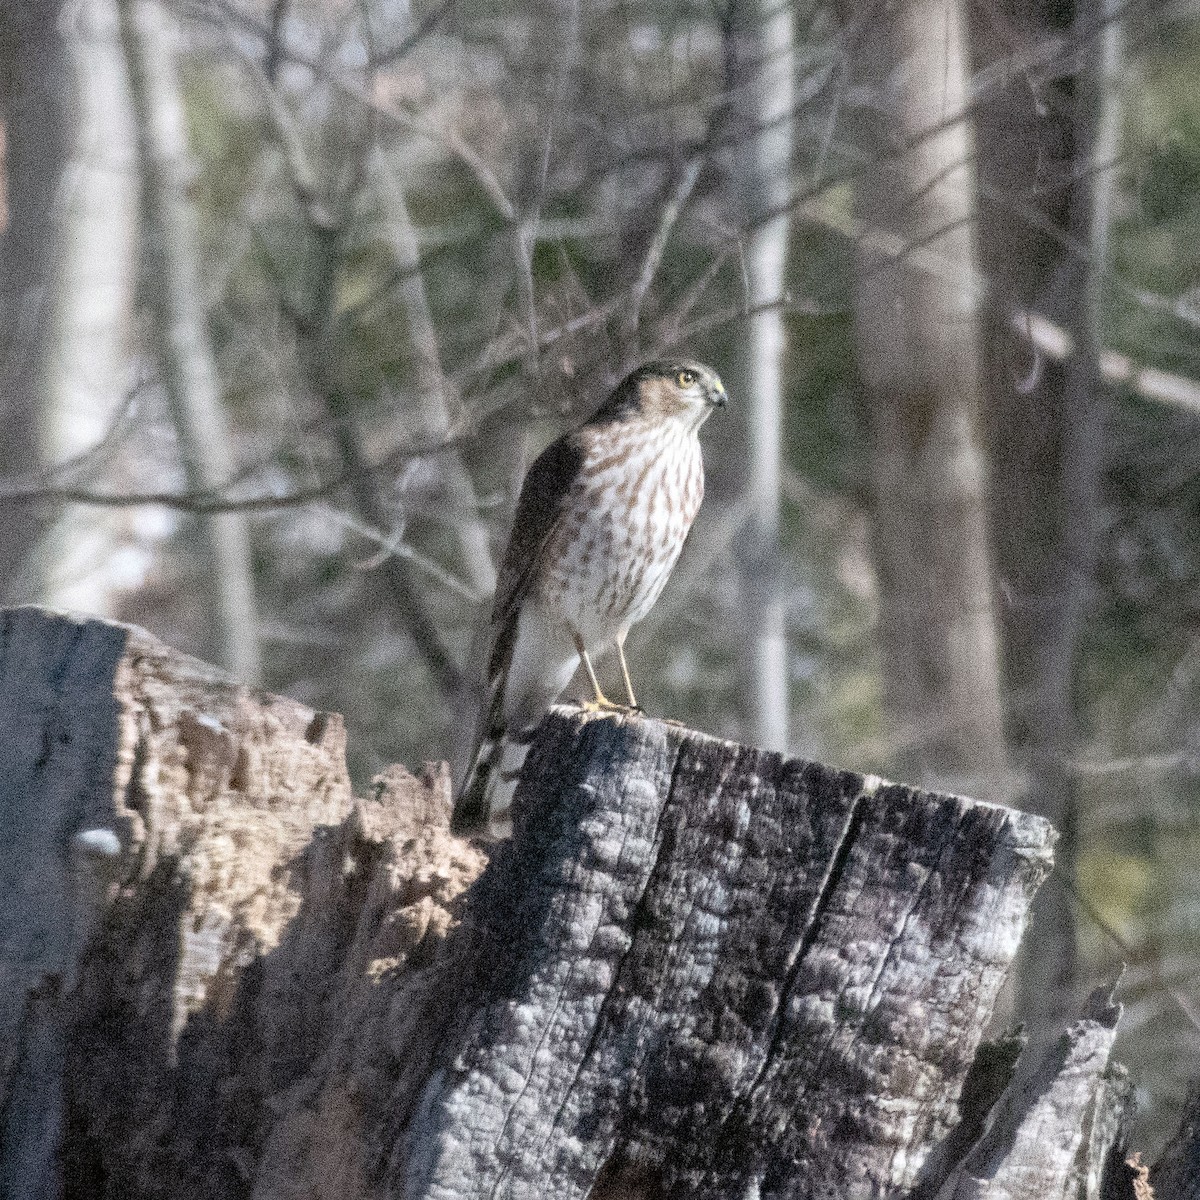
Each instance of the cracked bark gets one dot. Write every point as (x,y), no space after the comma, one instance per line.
(698,969)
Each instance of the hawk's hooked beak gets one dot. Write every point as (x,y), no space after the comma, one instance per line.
(717,396)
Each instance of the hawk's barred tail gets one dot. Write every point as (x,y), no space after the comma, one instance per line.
(483,806)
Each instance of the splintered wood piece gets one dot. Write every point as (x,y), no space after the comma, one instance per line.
(1059,1128)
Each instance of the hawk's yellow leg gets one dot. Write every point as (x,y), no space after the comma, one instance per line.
(625,673)
(601,703)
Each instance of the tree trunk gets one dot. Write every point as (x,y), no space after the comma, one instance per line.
(1042,154)
(762,99)
(143,796)
(917,355)
(698,969)
(86,362)
(175,294)
(34,80)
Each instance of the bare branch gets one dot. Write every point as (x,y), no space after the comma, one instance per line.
(427,24)
(418,623)
(430,381)
(394,544)
(396,113)
(320,355)
(692,297)
(279,12)
(671,210)
(303,177)
(1150,383)
(35,491)
(1140,764)
(318,328)
(200,502)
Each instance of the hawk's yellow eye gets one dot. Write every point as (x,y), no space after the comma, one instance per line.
(685,379)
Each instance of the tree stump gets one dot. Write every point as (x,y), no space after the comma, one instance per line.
(697,969)
(777,974)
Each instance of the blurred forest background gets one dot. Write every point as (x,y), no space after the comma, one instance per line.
(291,291)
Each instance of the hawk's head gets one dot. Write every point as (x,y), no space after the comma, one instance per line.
(669,388)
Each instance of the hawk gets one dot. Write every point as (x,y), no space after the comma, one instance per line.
(601,519)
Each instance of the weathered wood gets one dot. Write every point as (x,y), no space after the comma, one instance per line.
(718,973)
(697,969)
(1058,1130)
(275,1082)
(57,762)
(138,781)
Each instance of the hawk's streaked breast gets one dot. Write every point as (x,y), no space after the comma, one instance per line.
(625,518)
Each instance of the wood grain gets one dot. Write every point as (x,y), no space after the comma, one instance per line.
(705,966)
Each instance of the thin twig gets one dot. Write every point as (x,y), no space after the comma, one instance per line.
(690,298)
(93,454)
(200,503)
(405,117)
(429,381)
(320,356)
(410,604)
(671,211)
(300,172)
(801,200)
(394,544)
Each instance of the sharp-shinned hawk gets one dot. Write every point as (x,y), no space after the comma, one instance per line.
(601,519)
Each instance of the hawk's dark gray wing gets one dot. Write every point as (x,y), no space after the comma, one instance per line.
(540,506)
